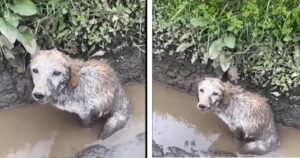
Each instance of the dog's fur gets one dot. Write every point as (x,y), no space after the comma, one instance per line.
(89,89)
(248,115)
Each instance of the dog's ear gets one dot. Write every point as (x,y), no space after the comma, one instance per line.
(74,77)
(226,98)
(226,94)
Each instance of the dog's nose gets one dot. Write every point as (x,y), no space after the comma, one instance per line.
(201,106)
(38,95)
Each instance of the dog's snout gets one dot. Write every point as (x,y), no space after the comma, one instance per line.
(202,106)
(38,95)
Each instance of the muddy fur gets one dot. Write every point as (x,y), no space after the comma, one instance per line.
(248,115)
(89,89)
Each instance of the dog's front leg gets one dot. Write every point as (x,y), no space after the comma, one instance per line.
(114,123)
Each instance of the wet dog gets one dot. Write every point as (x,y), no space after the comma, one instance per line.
(89,89)
(248,115)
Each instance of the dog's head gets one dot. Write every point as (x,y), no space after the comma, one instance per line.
(51,73)
(210,94)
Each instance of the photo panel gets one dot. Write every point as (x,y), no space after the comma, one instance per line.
(225,78)
(73,78)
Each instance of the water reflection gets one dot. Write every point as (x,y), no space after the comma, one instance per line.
(129,132)
(170,131)
(41,149)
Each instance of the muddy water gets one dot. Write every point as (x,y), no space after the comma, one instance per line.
(42,131)
(176,122)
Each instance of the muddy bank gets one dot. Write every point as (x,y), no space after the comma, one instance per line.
(158,151)
(179,128)
(15,88)
(44,131)
(182,74)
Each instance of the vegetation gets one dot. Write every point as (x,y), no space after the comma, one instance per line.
(260,38)
(89,28)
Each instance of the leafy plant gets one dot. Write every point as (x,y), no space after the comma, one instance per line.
(12,31)
(260,38)
(83,28)
(216,50)
(86,26)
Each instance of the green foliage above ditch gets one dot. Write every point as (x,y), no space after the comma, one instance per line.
(261,38)
(84,25)
(91,28)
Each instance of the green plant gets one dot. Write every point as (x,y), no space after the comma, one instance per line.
(83,28)
(90,25)
(260,38)
(12,31)
(216,50)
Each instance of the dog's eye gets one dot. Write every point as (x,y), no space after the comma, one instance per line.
(215,93)
(56,73)
(35,71)
(201,90)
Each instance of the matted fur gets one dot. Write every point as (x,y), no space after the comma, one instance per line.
(248,115)
(90,89)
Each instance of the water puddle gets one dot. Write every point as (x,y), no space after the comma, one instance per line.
(42,131)
(176,122)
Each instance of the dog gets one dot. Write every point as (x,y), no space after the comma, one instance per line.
(248,115)
(90,89)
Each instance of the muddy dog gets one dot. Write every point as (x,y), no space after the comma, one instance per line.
(248,115)
(89,89)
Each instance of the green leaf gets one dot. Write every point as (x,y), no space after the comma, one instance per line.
(115,18)
(28,41)
(8,54)
(215,48)
(24,7)
(287,38)
(5,43)
(200,21)
(8,30)
(225,62)
(297,9)
(28,36)
(64,11)
(12,18)
(31,47)
(229,41)
(74,20)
